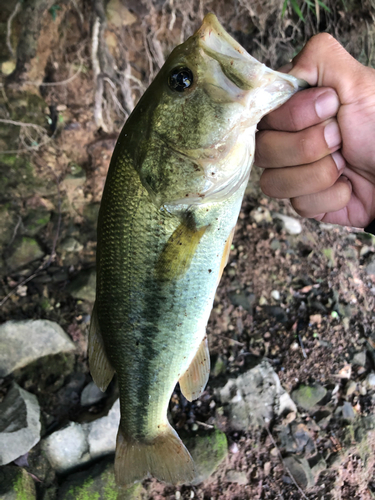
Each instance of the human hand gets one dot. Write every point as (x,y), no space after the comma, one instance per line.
(318,149)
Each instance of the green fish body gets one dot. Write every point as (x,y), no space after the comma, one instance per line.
(169,208)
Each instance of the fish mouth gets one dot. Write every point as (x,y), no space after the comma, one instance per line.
(213,37)
(237,64)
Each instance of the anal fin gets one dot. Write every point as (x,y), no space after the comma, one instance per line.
(194,380)
(100,367)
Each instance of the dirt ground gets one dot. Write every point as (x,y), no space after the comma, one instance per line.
(304,302)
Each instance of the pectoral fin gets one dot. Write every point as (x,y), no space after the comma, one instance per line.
(100,367)
(194,380)
(176,257)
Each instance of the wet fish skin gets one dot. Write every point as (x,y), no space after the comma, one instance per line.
(166,222)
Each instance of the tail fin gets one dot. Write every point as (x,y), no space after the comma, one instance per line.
(165,458)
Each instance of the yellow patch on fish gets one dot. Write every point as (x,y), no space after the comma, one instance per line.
(176,257)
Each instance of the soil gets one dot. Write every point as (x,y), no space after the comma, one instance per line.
(304,302)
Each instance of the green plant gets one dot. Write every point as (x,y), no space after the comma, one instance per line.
(312,5)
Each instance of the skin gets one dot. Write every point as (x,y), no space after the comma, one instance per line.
(318,149)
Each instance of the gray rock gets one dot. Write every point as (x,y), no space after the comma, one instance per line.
(208,451)
(98,482)
(26,250)
(83,286)
(67,447)
(370,268)
(19,424)
(370,380)
(301,471)
(235,476)
(22,342)
(70,244)
(359,358)
(78,444)
(348,412)
(16,484)
(103,432)
(91,394)
(291,225)
(307,396)
(255,397)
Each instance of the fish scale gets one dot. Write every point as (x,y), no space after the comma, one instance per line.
(170,204)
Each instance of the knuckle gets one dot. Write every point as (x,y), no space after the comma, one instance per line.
(326,174)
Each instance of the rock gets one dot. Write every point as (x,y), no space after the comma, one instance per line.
(19,424)
(301,471)
(91,394)
(26,250)
(317,465)
(370,268)
(78,444)
(370,380)
(296,438)
(83,286)
(67,447)
(208,451)
(243,299)
(70,244)
(119,15)
(291,225)
(359,358)
(261,215)
(16,484)
(98,482)
(8,67)
(254,397)
(275,294)
(307,396)
(103,432)
(351,387)
(347,411)
(235,476)
(276,312)
(22,342)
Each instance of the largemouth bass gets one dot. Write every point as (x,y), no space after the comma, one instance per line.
(170,205)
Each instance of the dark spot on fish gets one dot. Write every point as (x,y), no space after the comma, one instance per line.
(212,173)
(137,343)
(210,270)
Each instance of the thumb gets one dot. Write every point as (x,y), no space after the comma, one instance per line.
(323,62)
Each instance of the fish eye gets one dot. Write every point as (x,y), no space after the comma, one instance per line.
(180,79)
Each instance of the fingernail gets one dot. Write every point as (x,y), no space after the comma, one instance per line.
(339,160)
(332,134)
(327,105)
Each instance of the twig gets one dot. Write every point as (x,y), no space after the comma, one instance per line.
(284,465)
(302,347)
(9,28)
(53,84)
(207,426)
(52,255)
(15,230)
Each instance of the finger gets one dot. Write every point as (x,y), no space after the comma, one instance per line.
(332,199)
(323,62)
(303,110)
(291,182)
(276,149)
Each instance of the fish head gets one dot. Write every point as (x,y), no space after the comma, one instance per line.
(201,112)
